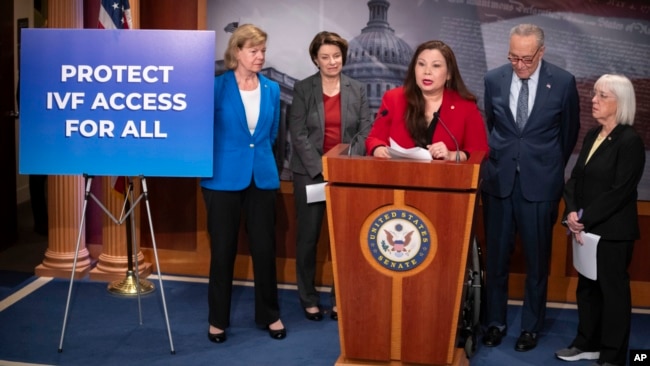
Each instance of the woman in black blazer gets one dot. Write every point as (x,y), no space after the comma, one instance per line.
(601,198)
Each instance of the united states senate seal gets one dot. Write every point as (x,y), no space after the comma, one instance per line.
(399,240)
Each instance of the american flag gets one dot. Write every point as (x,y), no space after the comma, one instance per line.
(119,184)
(115,14)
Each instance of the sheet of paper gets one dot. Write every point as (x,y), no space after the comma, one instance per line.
(584,256)
(416,153)
(316,192)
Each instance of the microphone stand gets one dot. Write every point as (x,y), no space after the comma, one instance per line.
(383,113)
(442,123)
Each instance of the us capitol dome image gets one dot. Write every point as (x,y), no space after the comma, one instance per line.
(377,57)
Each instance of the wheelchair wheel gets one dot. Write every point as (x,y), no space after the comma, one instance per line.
(470,317)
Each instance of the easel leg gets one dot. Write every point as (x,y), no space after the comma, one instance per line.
(132,240)
(89,181)
(155,252)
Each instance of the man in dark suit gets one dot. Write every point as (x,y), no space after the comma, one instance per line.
(533,117)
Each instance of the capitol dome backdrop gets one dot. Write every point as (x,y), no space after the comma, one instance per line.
(383,35)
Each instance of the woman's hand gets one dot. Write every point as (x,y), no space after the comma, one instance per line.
(574,225)
(578,237)
(381,152)
(439,151)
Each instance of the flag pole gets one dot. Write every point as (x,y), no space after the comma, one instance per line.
(129,285)
(119,17)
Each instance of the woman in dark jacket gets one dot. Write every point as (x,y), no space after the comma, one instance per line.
(601,198)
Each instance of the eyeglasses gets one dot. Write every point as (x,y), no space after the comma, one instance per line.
(600,95)
(528,60)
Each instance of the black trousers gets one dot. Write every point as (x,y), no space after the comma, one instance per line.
(309,220)
(224,209)
(605,305)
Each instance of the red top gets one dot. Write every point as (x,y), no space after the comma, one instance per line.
(462,117)
(332,108)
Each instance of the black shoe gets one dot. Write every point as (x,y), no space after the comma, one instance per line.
(277,334)
(217,338)
(314,316)
(334,315)
(493,336)
(526,341)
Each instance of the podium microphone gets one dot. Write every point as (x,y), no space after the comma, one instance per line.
(437,115)
(356,135)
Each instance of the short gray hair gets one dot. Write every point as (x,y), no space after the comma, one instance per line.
(526,30)
(623,90)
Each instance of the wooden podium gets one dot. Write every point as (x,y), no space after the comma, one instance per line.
(400,231)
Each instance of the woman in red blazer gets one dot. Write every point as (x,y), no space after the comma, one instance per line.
(432,110)
(601,198)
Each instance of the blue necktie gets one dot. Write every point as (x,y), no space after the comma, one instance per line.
(522,105)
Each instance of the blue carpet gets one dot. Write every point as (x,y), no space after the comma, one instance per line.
(104,329)
(10,280)
(559,331)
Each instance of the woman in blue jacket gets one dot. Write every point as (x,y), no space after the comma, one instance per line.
(245,180)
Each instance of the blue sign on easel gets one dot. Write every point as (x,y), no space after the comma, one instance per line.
(116,102)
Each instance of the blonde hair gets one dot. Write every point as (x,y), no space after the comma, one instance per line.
(245,33)
(623,90)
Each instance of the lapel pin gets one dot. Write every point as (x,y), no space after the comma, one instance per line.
(548,86)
